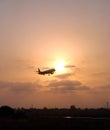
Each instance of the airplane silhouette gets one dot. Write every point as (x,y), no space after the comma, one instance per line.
(49,71)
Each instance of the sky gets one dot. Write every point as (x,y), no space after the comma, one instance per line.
(72,36)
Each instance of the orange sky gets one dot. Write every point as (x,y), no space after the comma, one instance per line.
(38,33)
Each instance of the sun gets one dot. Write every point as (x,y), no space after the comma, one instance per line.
(60,66)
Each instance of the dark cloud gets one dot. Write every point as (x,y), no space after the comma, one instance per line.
(4,85)
(20,87)
(66,86)
(24,87)
(105,87)
(70,66)
(53,85)
(102,89)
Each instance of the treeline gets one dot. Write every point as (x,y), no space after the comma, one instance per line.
(33,113)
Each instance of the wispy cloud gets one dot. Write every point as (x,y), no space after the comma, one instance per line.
(64,76)
(70,66)
(101,74)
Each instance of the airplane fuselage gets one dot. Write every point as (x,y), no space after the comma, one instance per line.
(50,71)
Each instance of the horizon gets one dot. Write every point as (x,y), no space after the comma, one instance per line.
(69,107)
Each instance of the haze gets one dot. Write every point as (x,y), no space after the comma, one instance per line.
(37,33)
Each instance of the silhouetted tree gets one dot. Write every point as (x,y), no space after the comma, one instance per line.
(6,111)
(72,107)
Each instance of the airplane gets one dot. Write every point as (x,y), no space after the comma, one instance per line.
(49,71)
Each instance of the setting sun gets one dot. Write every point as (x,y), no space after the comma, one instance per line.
(60,66)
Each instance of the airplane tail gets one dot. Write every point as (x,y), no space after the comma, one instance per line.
(38,70)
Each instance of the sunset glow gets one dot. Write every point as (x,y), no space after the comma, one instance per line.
(71,36)
(60,66)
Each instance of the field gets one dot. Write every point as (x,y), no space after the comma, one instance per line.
(54,119)
(55,124)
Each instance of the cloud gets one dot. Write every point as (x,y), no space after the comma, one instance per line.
(66,86)
(64,76)
(105,86)
(101,74)
(50,86)
(100,90)
(70,66)
(19,87)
